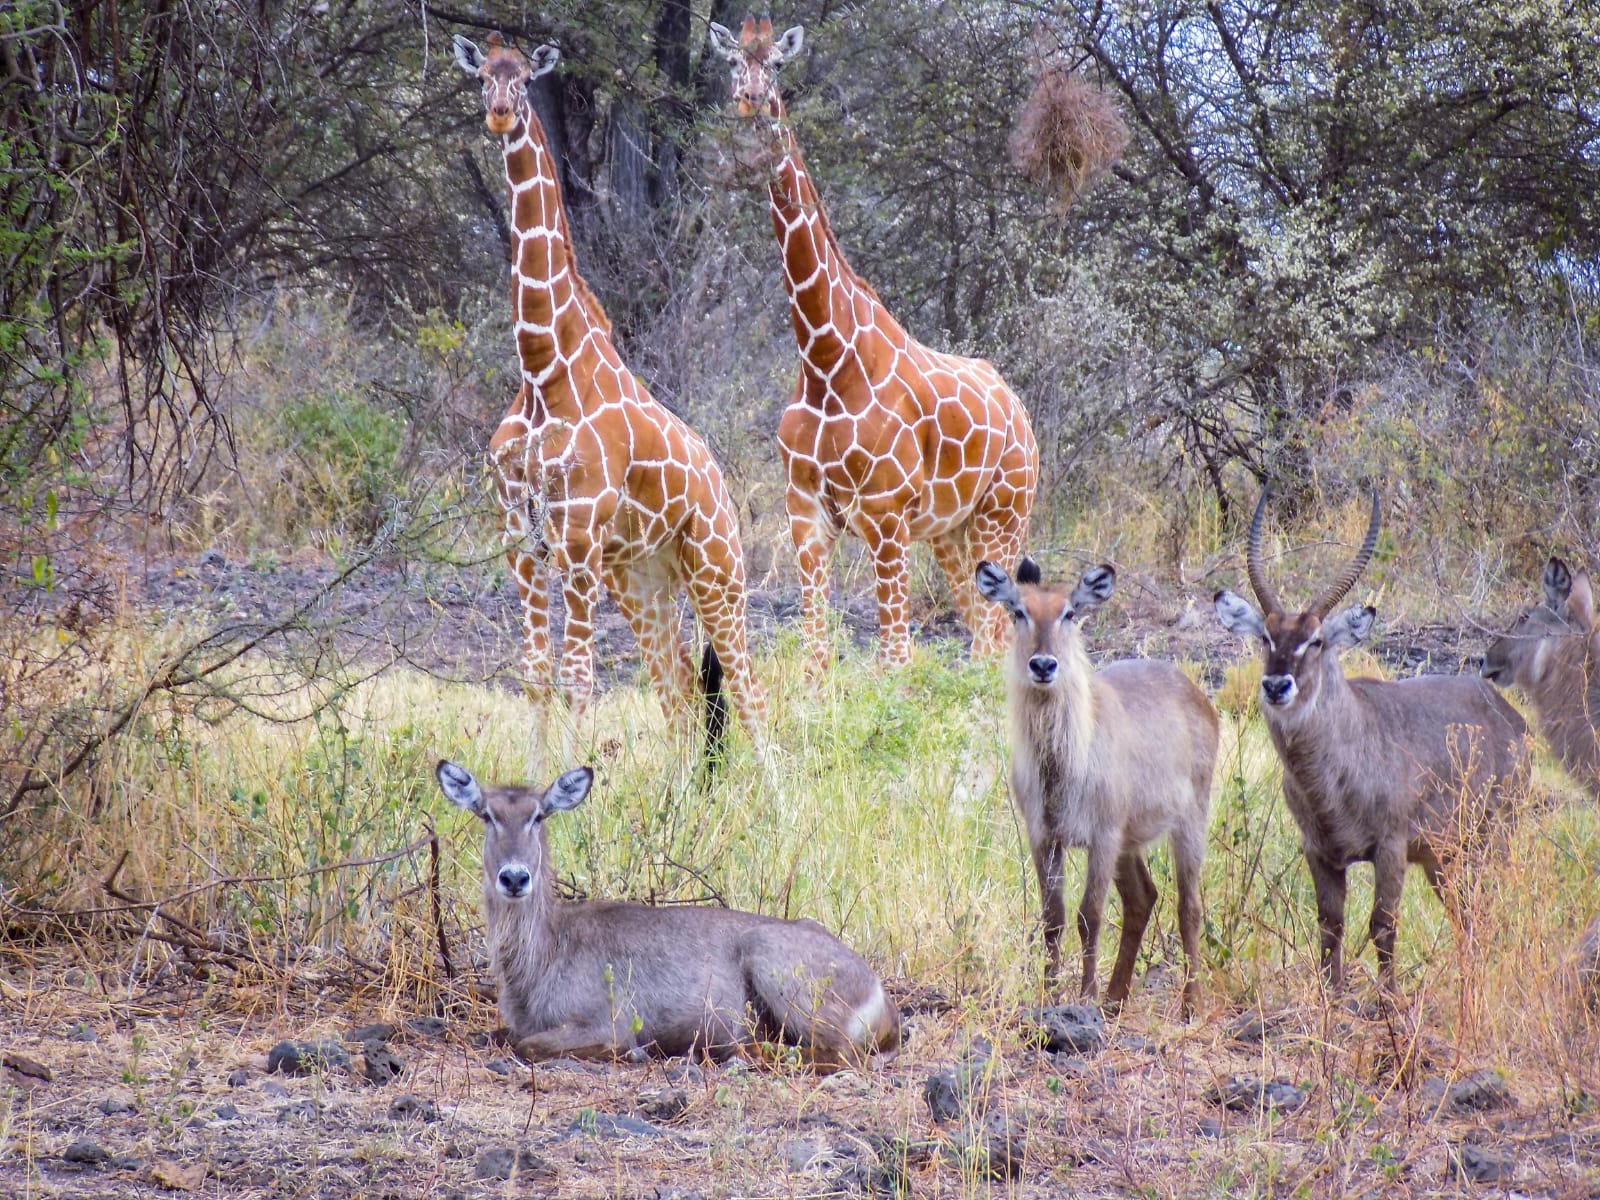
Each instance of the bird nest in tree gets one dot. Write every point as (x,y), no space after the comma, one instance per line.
(1068,135)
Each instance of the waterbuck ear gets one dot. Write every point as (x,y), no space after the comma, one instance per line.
(468,57)
(1557,583)
(788,45)
(569,790)
(459,787)
(1580,602)
(1349,628)
(1238,615)
(1028,572)
(723,42)
(995,586)
(543,60)
(1095,588)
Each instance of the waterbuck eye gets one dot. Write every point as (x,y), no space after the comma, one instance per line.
(1067,614)
(1315,643)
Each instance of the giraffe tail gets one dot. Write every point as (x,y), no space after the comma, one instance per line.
(716,701)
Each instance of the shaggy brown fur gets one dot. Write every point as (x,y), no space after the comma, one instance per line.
(1068,135)
(1109,760)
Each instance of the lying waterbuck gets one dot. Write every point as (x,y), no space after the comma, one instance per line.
(1552,653)
(1108,760)
(1389,773)
(603,979)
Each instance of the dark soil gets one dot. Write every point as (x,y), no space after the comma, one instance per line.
(173,1095)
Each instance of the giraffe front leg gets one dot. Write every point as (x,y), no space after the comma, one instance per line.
(888,540)
(814,536)
(717,594)
(532,579)
(581,591)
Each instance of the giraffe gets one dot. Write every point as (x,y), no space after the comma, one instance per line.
(883,437)
(596,480)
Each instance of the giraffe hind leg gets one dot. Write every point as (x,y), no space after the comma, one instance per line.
(996,533)
(953,553)
(645,593)
(718,599)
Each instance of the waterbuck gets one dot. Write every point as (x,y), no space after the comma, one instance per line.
(1106,760)
(1552,653)
(1390,773)
(1588,966)
(603,979)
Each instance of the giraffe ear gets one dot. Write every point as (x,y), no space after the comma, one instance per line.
(788,45)
(723,42)
(468,57)
(543,60)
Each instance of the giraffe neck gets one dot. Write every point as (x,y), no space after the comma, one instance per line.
(828,301)
(554,312)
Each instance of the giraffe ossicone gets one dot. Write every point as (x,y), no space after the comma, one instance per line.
(883,437)
(596,480)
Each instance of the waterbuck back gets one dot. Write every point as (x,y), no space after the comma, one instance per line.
(604,978)
(1552,652)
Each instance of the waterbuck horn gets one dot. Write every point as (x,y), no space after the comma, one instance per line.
(1252,561)
(1334,593)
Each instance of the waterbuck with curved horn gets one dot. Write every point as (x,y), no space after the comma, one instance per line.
(1552,653)
(1109,760)
(1391,773)
(605,979)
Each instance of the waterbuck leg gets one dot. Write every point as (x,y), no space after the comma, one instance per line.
(1389,881)
(1329,883)
(1186,860)
(1097,882)
(1049,863)
(1138,892)
(570,1041)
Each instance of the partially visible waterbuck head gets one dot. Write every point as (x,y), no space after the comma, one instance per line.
(1048,641)
(515,861)
(1552,652)
(1563,624)
(1294,644)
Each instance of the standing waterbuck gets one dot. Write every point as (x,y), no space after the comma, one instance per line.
(1552,653)
(603,979)
(1108,760)
(1391,773)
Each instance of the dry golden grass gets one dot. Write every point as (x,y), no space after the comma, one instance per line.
(299,896)
(884,815)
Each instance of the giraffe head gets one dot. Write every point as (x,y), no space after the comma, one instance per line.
(505,74)
(755,56)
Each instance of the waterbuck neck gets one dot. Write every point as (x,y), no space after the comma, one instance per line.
(523,934)
(1566,698)
(1055,724)
(1323,727)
